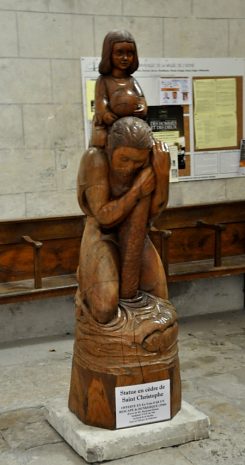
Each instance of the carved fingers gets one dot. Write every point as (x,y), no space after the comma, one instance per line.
(160,157)
(145,182)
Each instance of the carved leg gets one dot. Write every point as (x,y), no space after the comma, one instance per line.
(100,287)
(152,278)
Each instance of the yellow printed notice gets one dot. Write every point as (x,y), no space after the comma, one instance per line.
(205,131)
(210,135)
(226,95)
(90,89)
(204,95)
(215,117)
(170,137)
(227,129)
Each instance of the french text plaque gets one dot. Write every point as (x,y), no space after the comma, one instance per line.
(139,404)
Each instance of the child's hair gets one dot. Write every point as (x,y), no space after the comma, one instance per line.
(105,66)
(129,132)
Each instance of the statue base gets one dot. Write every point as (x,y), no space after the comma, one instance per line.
(137,353)
(98,445)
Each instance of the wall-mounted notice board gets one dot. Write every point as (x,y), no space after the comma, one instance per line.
(195,105)
(218,113)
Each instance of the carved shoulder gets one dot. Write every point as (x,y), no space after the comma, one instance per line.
(93,170)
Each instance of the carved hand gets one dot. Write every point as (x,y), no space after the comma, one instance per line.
(141,109)
(160,159)
(145,182)
(109,118)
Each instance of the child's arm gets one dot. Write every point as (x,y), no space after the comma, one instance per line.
(141,111)
(102,110)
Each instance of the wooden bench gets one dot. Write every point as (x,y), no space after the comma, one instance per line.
(202,241)
(39,257)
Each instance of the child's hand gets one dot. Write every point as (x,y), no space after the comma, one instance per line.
(141,108)
(109,118)
(139,111)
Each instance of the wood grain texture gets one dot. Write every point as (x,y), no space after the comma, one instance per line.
(132,235)
(139,346)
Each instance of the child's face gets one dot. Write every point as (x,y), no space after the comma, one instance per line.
(123,55)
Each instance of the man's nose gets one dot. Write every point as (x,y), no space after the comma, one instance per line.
(130,165)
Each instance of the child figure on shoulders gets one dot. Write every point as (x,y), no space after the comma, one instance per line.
(117,93)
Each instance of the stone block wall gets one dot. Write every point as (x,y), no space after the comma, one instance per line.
(41,123)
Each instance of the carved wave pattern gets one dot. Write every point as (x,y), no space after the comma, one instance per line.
(144,332)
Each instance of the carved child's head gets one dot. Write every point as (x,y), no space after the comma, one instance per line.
(114,37)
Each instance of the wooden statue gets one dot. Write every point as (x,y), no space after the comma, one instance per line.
(126,330)
(117,93)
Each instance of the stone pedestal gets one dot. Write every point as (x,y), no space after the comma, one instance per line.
(96,444)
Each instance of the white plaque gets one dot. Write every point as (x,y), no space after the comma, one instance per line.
(139,404)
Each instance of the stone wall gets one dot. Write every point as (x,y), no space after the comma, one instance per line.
(41,122)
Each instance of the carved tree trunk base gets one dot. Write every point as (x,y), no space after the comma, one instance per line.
(139,346)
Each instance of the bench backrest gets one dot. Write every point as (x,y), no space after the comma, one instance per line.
(61,239)
(189,242)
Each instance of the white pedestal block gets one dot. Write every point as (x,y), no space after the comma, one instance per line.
(97,444)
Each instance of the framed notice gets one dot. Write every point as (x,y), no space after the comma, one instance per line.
(142,403)
(217,113)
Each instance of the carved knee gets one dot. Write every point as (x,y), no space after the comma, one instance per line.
(104,305)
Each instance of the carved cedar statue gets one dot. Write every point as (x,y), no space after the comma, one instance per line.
(117,93)
(126,329)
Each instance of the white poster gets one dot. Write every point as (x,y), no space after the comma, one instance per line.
(175,91)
